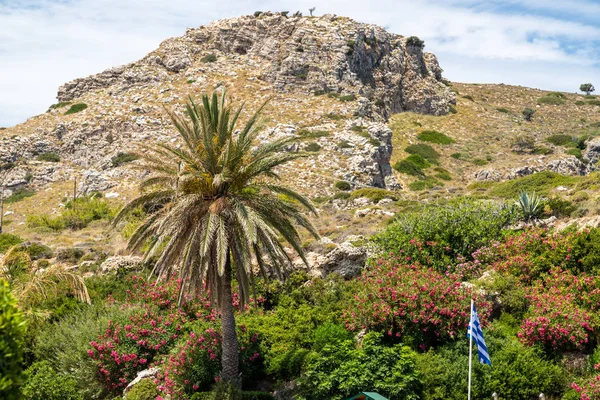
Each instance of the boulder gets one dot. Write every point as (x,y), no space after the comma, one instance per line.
(113,264)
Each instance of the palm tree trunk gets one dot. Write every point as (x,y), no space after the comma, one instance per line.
(230,346)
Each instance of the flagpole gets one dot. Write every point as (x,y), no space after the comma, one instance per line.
(470,347)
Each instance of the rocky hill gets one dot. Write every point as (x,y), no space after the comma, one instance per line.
(363,100)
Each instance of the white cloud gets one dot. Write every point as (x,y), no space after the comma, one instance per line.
(44,43)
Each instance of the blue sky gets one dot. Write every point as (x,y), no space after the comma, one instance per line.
(547,44)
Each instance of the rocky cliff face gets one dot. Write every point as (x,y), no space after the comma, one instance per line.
(329,75)
(388,72)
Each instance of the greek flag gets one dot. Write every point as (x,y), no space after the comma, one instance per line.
(475,328)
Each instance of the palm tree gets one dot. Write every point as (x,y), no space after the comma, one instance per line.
(215,208)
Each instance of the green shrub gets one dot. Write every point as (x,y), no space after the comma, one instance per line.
(36,250)
(594,102)
(557,95)
(338,371)
(44,383)
(190,81)
(18,195)
(349,97)
(424,183)
(543,150)
(560,139)
(343,185)
(540,182)
(503,110)
(452,109)
(415,42)
(305,134)
(344,144)
(425,151)
(457,229)
(60,104)
(64,344)
(479,161)
(435,137)
(122,158)
(409,168)
(468,97)
(551,100)
(357,128)
(70,254)
(517,372)
(319,92)
(559,207)
(580,103)
(418,160)
(443,174)
(7,241)
(49,157)
(75,108)
(374,194)
(209,58)
(528,114)
(575,152)
(143,390)
(334,116)
(379,103)
(12,332)
(77,215)
(457,156)
(313,147)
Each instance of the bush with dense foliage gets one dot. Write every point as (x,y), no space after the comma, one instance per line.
(435,137)
(342,369)
(12,331)
(438,234)
(425,151)
(77,214)
(44,383)
(407,300)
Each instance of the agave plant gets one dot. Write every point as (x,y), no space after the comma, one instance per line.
(529,205)
(217,209)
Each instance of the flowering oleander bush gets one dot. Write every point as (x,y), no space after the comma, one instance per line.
(195,364)
(563,311)
(408,299)
(124,349)
(589,390)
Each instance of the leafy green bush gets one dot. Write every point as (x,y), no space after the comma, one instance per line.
(409,168)
(435,137)
(540,182)
(560,139)
(334,116)
(305,134)
(77,214)
(65,344)
(49,157)
(517,372)
(418,160)
(427,182)
(36,250)
(12,332)
(339,371)
(313,147)
(209,58)
(19,195)
(75,108)
(552,100)
(343,185)
(479,161)
(455,229)
(452,109)
(528,114)
(425,151)
(60,104)
(8,240)
(559,207)
(122,158)
(349,97)
(575,152)
(44,383)
(143,390)
(415,42)
(443,174)
(503,110)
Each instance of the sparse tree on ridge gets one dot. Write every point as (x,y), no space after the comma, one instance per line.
(587,88)
(217,208)
(311,10)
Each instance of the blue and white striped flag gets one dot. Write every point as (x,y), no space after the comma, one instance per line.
(475,327)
